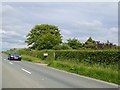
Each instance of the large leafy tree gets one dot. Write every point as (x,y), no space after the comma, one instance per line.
(74,43)
(90,43)
(44,36)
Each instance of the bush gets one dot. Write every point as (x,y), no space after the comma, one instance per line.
(103,57)
(65,47)
(91,56)
(99,64)
(38,53)
(62,47)
(57,47)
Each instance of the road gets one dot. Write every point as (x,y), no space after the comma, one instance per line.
(23,74)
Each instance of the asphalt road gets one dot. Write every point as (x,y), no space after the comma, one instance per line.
(23,74)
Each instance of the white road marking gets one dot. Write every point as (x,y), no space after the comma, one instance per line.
(41,64)
(10,62)
(4,59)
(26,71)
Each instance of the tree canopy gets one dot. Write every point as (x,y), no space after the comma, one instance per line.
(74,43)
(90,43)
(63,46)
(44,36)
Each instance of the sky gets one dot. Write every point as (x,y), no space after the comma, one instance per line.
(80,20)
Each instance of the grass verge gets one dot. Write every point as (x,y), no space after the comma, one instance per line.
(32,59)
(94,71)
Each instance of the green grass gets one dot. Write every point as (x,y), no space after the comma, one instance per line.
(107,73)
(32,59)
(94,71)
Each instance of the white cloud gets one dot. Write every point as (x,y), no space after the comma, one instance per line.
(64,31)
(92,25)
(7,45)
(12,33)
(95,29)
(79,20)
(114,30)
(2,31)
(8,9)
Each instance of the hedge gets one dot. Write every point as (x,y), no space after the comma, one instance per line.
(77,56)
(92,56)
(38,54)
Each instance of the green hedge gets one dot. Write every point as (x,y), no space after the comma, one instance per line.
(77,56)
(73,61)
(38,54)
(96,57)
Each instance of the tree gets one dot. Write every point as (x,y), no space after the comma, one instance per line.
(74,43)
(44,36)
(90,43)
(63,46)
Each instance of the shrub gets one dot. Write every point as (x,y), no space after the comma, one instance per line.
(62,47)
(91,56)
(103,57)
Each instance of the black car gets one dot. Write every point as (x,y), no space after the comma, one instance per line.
(14,56)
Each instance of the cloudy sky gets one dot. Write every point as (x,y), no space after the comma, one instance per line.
(82,20)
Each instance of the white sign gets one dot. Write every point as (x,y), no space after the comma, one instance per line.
(45,54)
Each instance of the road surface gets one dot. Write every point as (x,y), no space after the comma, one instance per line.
(23,74)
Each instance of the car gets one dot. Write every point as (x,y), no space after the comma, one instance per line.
(14,56)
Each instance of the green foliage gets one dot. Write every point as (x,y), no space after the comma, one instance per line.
(95,71)
(38,54)
(74,43)
(89,56)
(102,57)
(32,59)
(90,43)
(44,36)
(64,46)
(57,47)
(99,64)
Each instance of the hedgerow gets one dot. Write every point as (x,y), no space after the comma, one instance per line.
(89,56)
(99,64)
(105,57)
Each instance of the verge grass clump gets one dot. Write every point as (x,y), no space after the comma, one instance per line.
(94,71)
(32,59)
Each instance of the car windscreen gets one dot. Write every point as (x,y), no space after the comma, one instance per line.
(16,54)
